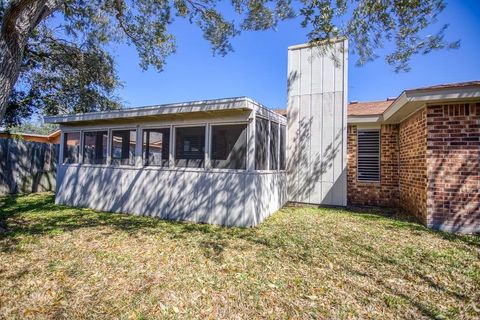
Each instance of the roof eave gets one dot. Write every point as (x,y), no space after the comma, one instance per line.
(411,101)
(378,118)
(206,106)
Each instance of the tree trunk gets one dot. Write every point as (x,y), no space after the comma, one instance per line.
(10,62)
(21,17)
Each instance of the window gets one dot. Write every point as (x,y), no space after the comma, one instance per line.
(283,147)
(156,145)
(368,156)
(274,146)
(261,144)
(190,147)
(123,147)
(95,147)
(229,147)
(71,147)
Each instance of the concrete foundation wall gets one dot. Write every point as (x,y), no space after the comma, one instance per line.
(229,198)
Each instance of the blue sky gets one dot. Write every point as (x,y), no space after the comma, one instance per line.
(258,66)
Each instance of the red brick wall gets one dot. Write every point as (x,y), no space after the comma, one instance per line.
(453,164)
(385,192)
(430,166)
(413,165)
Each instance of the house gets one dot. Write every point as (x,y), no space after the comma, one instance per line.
(234,161)
(420,151)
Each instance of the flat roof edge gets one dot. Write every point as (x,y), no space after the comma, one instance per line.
(236,103)
(309,44)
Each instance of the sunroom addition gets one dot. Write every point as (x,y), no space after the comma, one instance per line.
(216,161)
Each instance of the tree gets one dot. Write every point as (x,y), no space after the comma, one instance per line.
(86,28)
(59,77)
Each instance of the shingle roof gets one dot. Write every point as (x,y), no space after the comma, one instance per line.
(368,108)
(450,85)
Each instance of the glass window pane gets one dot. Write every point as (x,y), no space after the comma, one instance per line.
(274,146)
(190,147)
(95,147)
(261,144)
(71,147)
(123,147)
(283,147)
(156,145)
(229,147)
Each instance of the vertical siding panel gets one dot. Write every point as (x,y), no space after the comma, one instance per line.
(338,136)
(316,148)
(294,75)
(305,71)
(317,71)
(292,146)
(328,72)
(327,134)
(303,164)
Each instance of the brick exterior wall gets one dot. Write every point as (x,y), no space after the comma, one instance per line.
(413,165)
(453,167)
(385,192)
(430,166)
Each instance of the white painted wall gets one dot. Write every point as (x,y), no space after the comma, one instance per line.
(317,124)
(230,198)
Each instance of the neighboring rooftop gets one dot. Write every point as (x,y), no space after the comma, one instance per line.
(368,108)
(53,137)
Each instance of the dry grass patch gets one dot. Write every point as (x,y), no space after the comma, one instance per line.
(61,262)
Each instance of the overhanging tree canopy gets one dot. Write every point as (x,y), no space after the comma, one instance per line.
(64,67)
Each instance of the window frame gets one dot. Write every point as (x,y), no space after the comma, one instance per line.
(110,146)
(280,148)
(63,142)
(257,117)
(170,145)
(82,144)
(277,156)
(173,146)
(379,155)
(210,138)
(172,126)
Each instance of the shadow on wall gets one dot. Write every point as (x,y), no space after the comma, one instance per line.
(27,167)
(306,183)
(452,176)
(223,198)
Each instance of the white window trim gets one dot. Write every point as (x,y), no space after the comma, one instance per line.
(230,123)
(142,160)
(110,150)
(173,146)
(82,144)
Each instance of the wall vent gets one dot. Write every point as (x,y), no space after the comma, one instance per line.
(368,155)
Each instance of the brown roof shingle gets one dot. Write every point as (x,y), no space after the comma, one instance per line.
(282,112)
(368,108)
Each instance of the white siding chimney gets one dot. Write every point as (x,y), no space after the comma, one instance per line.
(317,123)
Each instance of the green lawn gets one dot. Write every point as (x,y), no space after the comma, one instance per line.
(61,262)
